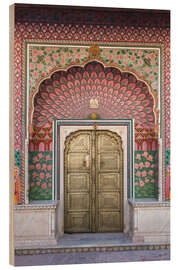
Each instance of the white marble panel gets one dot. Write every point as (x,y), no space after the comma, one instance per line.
(150,221)
(35,224)
(154,220)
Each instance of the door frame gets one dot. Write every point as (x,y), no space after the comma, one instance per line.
(63,128)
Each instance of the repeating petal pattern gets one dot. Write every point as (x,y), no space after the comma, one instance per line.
(66,95)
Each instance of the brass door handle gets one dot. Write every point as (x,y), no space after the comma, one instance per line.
(84,163)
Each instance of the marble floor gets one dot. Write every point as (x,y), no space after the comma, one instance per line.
(93,257)
(95,248)
(79,242)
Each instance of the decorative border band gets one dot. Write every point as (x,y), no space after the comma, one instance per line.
(37,251)
(26,43)
(130,153)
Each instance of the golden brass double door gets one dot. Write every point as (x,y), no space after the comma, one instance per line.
(93,182)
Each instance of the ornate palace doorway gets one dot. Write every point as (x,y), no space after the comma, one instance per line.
(93,182)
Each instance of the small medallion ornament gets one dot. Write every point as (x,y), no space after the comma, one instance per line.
(94,51)
(93,103)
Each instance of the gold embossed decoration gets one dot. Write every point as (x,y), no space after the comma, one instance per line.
(93,182)
(94,52)
(93,116)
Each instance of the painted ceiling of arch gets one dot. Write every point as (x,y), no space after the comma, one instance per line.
(67,95)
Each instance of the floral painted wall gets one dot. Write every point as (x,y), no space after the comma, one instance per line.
(40,175)
(57,37)
(146,174)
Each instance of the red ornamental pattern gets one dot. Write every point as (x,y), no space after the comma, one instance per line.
(141,30)
(167,97)
(98,33)
(67,95)
(41,138)
(145,138)
(18,94)
(95,33)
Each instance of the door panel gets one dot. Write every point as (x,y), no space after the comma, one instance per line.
(78,161)
(77,222)
(109,178)
(77,214)
(77,182)
(108,161)
(93,182)
(78,201)
(106,143)
(108,182)
(80,143)
(109,201)
(109,222)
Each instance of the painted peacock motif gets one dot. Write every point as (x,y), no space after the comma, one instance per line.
(120,95)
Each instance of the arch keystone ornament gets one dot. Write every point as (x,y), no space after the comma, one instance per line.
(94,52)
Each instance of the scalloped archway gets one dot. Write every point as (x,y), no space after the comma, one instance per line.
(66,94)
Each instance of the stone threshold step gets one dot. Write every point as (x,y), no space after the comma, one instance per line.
(125,247)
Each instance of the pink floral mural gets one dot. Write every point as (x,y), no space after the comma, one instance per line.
(146,174)
(40,175)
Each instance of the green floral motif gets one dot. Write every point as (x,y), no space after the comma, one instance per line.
(17,157)
(143,62)
(40,175)
(167,157)
(17,162)
(44,58)
(146,174)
